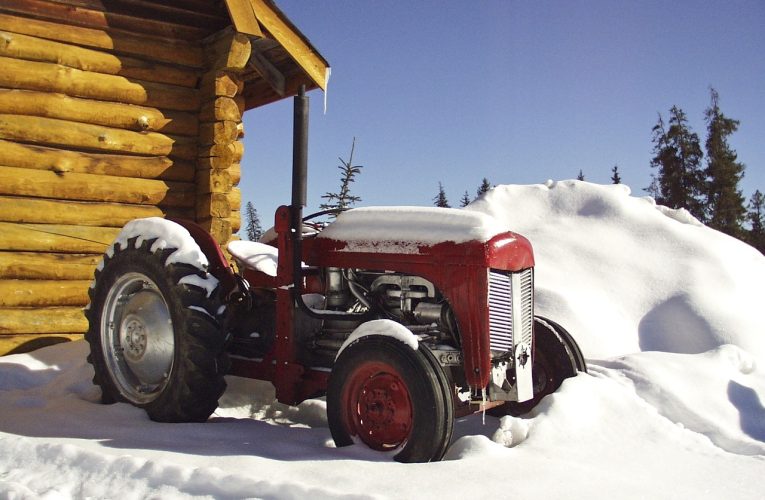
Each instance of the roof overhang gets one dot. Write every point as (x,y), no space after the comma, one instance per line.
(274,37)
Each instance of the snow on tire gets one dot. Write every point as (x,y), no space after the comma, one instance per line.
(154,338)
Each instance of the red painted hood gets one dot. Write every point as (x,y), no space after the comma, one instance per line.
(508,251)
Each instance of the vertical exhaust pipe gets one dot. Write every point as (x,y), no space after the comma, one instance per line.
(299,156)
(299,197)
(299,187)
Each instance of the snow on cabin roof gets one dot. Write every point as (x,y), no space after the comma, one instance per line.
(414,225)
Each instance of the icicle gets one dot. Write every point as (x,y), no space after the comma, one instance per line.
(483,406)
(326,87)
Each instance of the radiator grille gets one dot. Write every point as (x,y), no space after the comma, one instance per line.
(511,308)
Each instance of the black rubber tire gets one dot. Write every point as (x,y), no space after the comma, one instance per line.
(428,410)
(556,358)
(189,389)
(447,392)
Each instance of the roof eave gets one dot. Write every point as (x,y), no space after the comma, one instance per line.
(252,16)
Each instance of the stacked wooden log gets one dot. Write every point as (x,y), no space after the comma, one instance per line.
(109,111)
(220,128)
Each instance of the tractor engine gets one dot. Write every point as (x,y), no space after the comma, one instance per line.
(410,300)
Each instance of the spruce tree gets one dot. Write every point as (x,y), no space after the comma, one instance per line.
(679,181)
(756,216)
(440,199)
(465,200)
(252,223)
(653,188)
(580,177)
(616,178)
(344,199)
(725,203)
(484,187)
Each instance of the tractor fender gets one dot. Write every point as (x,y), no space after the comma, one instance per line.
(567,340)
(381,328)
(217,265)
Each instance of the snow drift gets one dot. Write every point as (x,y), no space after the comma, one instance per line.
(624,275)
(666,310)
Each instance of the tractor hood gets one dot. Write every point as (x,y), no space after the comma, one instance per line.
(439,235)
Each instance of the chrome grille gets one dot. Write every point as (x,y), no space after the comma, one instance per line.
(500,312)
(511,308)
(527,305)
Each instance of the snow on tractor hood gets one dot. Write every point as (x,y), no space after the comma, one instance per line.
(408,228)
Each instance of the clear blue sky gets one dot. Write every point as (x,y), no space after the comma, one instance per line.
(518,92)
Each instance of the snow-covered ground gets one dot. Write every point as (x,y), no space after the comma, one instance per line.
(668,312)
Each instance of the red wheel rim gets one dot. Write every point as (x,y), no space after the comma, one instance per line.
(378,407)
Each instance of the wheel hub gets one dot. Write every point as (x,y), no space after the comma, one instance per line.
(146,336)
(135,338)
(384,412)
(138,337)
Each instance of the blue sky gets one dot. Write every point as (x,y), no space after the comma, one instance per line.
(517,92)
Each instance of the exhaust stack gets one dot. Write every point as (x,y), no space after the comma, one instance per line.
(299,158)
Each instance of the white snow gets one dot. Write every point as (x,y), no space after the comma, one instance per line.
(168,234)
(404,229)
(258,256)
(383,328)
(668,313)
(623,276)
(207,283)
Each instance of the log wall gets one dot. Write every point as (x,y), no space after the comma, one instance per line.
(220,130)
(109,111)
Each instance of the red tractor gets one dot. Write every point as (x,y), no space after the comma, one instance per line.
(405,318)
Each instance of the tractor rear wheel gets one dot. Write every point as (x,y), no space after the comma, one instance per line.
(556,358)
(154,340)
(391,398)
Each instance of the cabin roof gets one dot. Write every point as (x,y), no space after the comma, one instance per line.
(283,58)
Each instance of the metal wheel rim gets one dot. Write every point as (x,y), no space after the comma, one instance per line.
(378,406)
(137,337)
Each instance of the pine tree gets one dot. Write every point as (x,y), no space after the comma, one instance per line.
(653,188)
(484,187)
(725,202)
(344,199)
(252,223)
(465,200)
(756,216)
(580,177)
(616,178)
(679,181)
(440,199)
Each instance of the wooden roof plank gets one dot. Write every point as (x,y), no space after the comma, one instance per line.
(277,24)
(243,17)
(267,71)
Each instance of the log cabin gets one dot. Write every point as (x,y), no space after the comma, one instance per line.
(111,110)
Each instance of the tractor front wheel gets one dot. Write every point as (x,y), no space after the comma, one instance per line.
(391,398)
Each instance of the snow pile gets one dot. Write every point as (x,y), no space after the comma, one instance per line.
(623,275)
(666,310)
